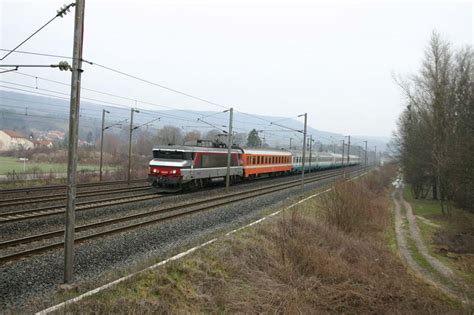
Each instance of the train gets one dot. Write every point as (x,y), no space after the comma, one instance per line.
(187,167)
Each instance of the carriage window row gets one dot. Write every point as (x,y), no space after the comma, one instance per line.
(267,159)
(299,159)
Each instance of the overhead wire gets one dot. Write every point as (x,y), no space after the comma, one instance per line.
(158,85)
(60,13)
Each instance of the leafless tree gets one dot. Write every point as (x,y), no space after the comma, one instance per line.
(169,135)
(433,130)
(192,135)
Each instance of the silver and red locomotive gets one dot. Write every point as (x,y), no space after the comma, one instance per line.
(180,167)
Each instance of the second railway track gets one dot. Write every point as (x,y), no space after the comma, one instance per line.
(60,197)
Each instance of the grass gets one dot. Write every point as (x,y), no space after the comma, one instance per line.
(426,208)
(303,261)
(449,241)
(10,164)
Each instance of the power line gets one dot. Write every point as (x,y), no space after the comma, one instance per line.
(113,95)
(155,84)
(36,54)
(159,85)
(60,13)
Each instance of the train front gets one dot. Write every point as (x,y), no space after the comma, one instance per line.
(166,168)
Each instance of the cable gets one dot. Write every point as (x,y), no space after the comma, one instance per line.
(36,54)
(110,94)
(60,13)
(159,85)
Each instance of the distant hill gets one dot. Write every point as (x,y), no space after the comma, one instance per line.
(24,112)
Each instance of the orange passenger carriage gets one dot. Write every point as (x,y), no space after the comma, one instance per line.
(258,162)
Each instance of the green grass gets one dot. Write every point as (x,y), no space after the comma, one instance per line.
(10,164)
(430,209)
(423,207)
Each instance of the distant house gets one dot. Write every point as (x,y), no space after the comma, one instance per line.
(44,144)
(13,140)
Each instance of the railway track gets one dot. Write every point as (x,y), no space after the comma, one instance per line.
(28,190)
(144,218)
(60,197)
(28,214)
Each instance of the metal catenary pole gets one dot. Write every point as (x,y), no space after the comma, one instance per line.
(290,142)
(310,150)
(375,155)
(365,158)
(360,149)
(129,174)
(72,146)
(342,159)
(348,150)
(229,149)
(102,143)
(304,147)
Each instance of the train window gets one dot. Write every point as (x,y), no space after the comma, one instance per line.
(173,155)
(216,160)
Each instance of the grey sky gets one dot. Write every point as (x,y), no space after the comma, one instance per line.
(333,60)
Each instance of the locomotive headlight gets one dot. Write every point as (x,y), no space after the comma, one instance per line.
(155,170)
(173,172)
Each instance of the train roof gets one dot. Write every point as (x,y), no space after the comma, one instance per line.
(262,151)
(337,155)
(187,148)
(300,152)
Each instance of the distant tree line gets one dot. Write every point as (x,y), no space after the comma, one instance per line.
(435,136)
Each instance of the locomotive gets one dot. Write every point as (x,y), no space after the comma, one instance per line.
(177,167)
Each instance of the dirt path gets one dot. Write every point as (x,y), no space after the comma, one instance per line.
(458,288)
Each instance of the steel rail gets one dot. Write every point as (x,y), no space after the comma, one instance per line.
(53,187)
(219,201)
(81,206)
(59,197)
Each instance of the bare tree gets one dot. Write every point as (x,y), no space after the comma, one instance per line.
(169,135)
(192,135)
(435,149)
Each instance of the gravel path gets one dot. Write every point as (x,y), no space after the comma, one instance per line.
(30,284)
(457,290)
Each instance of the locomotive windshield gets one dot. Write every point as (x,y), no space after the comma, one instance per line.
(172,155)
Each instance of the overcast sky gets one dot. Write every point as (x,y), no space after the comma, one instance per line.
(333,60)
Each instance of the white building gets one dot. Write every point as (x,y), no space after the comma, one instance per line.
(13,140)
